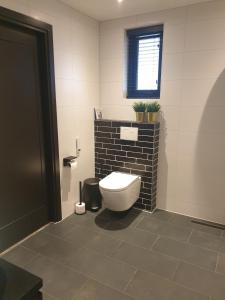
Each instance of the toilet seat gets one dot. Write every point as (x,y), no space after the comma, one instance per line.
(117,181)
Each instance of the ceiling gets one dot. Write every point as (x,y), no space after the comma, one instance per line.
(111,9)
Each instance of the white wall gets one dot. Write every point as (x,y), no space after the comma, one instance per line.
(76,40)
(192,154)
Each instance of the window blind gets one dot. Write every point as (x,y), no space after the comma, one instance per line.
(144,62)
(148,63)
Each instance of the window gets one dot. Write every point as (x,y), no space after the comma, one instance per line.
(144,62)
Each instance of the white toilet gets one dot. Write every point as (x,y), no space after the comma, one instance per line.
(120,190)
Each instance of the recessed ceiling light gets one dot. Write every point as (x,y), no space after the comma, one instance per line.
(119,1)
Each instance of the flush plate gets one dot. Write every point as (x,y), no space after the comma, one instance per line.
(129,133)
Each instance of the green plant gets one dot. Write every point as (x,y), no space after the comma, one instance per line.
(153,107)
(139,107)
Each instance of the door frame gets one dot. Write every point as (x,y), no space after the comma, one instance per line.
(44,33)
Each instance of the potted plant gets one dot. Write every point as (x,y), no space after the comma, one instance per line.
(139,108)
(153,111)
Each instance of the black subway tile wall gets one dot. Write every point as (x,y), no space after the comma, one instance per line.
(133,157)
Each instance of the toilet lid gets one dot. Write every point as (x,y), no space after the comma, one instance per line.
(117,181)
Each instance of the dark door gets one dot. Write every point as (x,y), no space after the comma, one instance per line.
(23,189)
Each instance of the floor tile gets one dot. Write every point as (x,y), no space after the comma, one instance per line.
(208,241)
(186,221)
(147,286)
(206,282)
(48,297)
(20,256)
(127,218)
(207,229)
(165,228)
(50,246)
(59,229)
(105,270)
(93,290)
(97,255)
(187,252)
(162,215)
(79,236)
(220,267)
(103,244)
(147,260)
(131,235)
(59,281)
(88,220)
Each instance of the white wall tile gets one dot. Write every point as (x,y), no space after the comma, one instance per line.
(171,92)
(111,70)
(196,92)
(173,16)
(208,10)
(192,143)
(203,64)
(174,38)
(203,35)
(172,66)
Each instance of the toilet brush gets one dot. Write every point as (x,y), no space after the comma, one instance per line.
(80,207)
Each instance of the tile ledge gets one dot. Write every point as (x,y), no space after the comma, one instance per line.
(126,121)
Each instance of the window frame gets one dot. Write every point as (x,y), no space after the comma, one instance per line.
(133,37)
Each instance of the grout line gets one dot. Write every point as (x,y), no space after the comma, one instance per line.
(217,262)
(176,270)
(130,280)
(154,243)
(189,237)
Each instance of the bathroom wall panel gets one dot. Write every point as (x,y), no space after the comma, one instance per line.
(77,85)
(192,143)
(133,157)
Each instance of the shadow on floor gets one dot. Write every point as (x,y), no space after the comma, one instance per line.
(117,220)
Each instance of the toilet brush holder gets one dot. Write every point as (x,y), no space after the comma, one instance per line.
(80,207)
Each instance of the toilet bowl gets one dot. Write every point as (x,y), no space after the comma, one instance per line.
(120,190)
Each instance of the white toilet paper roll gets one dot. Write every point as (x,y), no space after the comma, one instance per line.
(80,208)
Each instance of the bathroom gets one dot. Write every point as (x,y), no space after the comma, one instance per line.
(155,250)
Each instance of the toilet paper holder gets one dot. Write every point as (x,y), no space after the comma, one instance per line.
(67,161)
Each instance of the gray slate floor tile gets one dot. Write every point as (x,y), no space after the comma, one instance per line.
(93,290)
(157,226)
(147,286)
(186,221)
(127,218)
(59,281)
(97,256)
(20,256)
(59,229)
(131,235)
(50,246)
(147,260)
(103,244)
(187,252)
(80,236)
(88,220)
(206,282)
(105,270)
(48,297)
(208,241)
(220,267)
(163,215)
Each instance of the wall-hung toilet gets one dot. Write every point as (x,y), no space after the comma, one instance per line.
(120,190)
